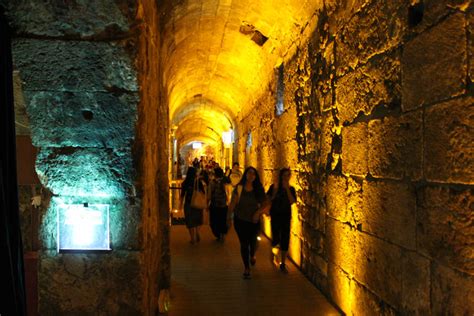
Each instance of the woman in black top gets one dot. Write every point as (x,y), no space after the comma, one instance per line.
(282,196)
(247,204)
(192,216)
(218,205)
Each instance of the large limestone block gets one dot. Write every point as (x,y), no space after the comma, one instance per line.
(341,245)
(340,287)
(365,302)
(87,172)
(452,292)
(379,267)
(444,222)
(376,84)
(449,142)
(355,149)
(415,284)
(378,27)
(395,146)
(434,64)
(81,119)
(109,283)
(50,65)
(389,212)
(84,19)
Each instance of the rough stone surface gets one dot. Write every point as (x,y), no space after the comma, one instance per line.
(84,19)
(108,283)
(415,284)
(449,141)
(81,119)
(375,85)
(372,30)
(355,149)
(365,302)
(83,172)
(74,66)
(339,285)
(389,212)
(379,267)
(452,292)
(434,64)
(341,246)
(395,145)
(444,224)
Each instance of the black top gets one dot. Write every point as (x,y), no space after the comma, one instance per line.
(281,204)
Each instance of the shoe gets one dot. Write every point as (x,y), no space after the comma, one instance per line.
(253,260)
(283,268)
(246,275)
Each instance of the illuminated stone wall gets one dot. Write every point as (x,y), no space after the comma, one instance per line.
(83,68)
(378,128)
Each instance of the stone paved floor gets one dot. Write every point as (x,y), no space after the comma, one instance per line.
(206,280)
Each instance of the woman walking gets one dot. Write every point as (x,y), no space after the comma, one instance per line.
(282,196)
(247,204)
(218,205)
(192,216)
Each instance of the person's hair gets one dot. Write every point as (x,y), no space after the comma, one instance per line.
(190,176)
(205,176)
(256,184)
(235,164)
(280,176)
(219,172)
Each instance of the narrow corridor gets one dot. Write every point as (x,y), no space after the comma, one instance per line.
(206,280)
(368,103)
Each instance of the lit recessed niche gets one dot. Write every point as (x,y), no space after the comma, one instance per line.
(83,227)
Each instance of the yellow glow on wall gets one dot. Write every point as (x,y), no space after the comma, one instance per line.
(295,236)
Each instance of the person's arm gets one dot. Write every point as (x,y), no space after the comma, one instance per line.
(233,202)
(181,196)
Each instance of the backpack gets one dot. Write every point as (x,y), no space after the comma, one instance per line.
(218,193)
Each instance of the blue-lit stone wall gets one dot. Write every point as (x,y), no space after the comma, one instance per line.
(79,67)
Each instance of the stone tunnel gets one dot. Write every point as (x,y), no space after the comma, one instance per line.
(370,103)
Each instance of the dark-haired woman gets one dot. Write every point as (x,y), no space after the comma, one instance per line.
(247,204)
(282,196)
(218,205)
(192,216)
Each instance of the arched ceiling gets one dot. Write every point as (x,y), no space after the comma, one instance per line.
(216,61)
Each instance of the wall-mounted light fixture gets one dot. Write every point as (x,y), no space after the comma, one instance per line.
(83,227)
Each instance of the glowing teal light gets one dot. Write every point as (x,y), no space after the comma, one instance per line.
(83,227)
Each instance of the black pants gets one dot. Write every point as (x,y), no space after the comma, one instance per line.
(218,220)
(281,231)
(247,233)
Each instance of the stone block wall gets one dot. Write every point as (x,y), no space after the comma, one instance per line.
(381,93)
(88,74)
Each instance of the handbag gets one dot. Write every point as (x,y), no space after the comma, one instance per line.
(199,199)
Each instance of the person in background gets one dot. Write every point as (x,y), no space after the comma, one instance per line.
(247,204)
(235,174)
(192,216)
(282,196)
(218,205)
(196,163)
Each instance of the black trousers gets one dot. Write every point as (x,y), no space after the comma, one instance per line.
(218,220)
(281,231)
(247,233)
